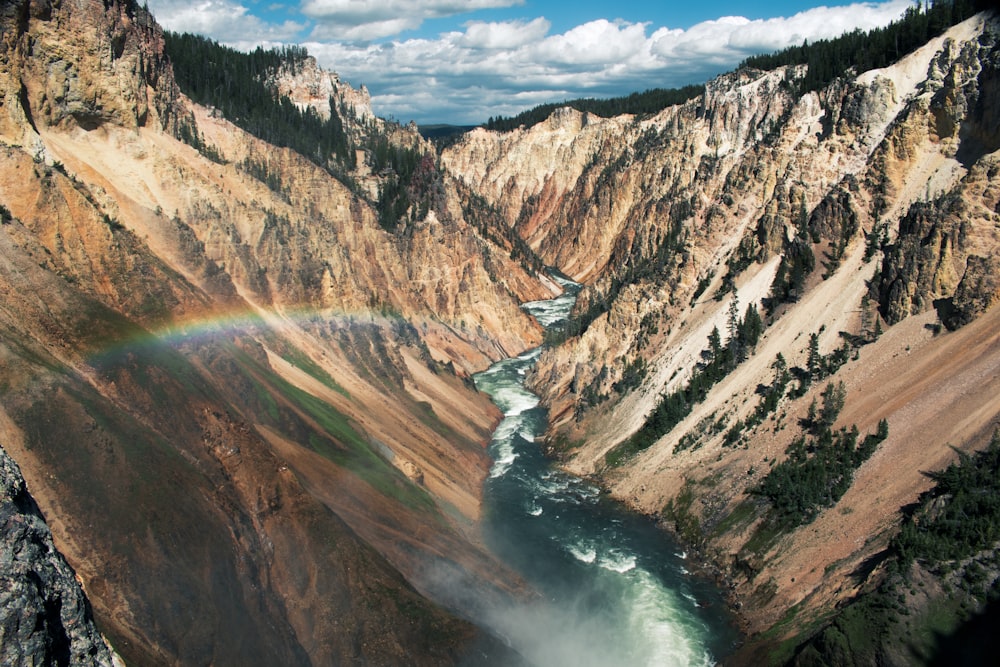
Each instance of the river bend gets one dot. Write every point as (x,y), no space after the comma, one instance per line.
(615,589)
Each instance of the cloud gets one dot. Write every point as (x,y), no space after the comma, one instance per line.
(223,20)
(491,69)
(501,68)
(372,19)
(732,38)
(592,44)
(507,35)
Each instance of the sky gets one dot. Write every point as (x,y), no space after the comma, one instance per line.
(464,61)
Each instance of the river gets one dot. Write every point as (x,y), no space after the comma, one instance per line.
(614,589)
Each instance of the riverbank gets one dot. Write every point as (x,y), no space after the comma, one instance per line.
(615,589)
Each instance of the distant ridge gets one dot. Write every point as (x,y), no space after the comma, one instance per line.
(438,131)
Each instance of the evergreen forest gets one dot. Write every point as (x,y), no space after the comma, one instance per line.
(827,60)
(236,84)
(948,541)
(644,103)
(858,51)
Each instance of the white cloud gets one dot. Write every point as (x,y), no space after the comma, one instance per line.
(501,68)
(507,35)
(592,44)
(732,38)
(222,20)
(365,31)
(373,19)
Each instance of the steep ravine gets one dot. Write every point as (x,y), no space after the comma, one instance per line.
(243,398)
(250,423)
(862,214)
(613,589)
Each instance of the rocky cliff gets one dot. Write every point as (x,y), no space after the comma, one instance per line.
(859,222)
(45,618)
(241,399)
(236,376)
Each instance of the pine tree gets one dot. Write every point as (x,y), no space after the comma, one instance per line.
(833,396)
(715,343)
(733,324)
(751,328)
(814,362)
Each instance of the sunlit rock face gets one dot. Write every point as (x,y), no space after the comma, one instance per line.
(887,181)
(252,401)
(246,409)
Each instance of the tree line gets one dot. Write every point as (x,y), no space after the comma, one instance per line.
(236,84)
(952,531)
(718,360)
(829,59)
(820,469)
(650,101)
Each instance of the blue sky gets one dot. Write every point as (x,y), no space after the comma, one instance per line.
(462,61)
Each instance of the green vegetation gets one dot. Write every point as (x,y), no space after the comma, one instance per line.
(876,239)
(742,515)
(487,220)
(409,178)
(719,361)
(771,395)
(303,362)
(797,262)
(931,612)
(443,134)
(678,510)
(968,519)
(648,102)
(187,131)
(298,413)
(638,266)
(632,375)
(829,59)
(260,170)
(236,84)
(818,471)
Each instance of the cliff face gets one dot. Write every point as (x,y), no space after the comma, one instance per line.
(243,400)
(862,215)
(80,64)
(45,618)
(309,86)
(245,409)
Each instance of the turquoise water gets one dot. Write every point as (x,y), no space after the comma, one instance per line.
(614,589)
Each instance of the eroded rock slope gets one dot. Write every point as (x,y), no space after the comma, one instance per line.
(858,221)
(242,400)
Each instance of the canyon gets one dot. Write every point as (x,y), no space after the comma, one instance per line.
(682,218)
(242,396)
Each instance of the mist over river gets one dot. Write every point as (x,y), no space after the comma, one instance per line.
(615,590)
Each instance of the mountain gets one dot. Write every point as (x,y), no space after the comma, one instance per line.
(239,315)
(242,401)
(788,318)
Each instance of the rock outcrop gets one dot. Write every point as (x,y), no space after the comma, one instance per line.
(309,86)
(81,64)
(240,390)
(861,217)
(45,617)
(244,406)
